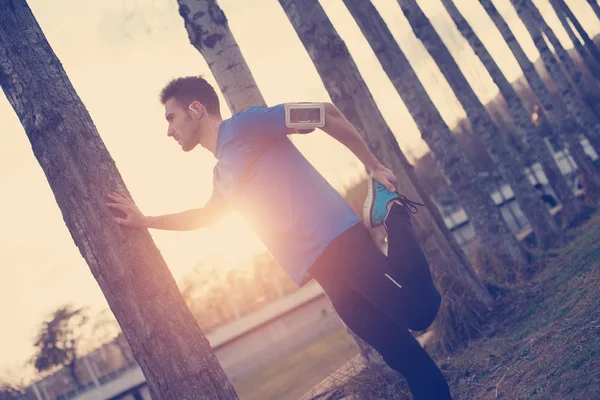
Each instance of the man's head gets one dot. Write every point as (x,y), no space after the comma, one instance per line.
(191,104)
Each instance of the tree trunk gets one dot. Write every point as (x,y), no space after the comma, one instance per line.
(542,153)
(573,101)
(484,215)
(72,366)
(595,7)
(170,348)
(465,297)
(590,62)
(589,43)
(239,96)
(565,125)
(209,32)
(511,165)
(137,395)
(585,90)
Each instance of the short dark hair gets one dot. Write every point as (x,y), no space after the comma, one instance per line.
(190,88)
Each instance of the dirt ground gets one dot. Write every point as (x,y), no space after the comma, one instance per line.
(542,341)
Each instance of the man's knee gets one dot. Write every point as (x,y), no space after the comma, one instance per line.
(428,309)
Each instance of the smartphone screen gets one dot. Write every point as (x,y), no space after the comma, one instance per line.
(305,115)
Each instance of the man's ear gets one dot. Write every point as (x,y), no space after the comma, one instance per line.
(196,108)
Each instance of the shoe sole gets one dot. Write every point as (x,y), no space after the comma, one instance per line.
(368,206)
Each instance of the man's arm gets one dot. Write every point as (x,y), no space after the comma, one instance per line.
(338,127)
(183,221)
(187,220)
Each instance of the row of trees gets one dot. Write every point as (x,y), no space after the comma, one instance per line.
(69,334)
(217,299)
(134,278)
(63,339)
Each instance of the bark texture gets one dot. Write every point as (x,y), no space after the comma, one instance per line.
(585,89)
(582,113)
(165,339)
(484,215)
(209,33)
(465,297)
(510,164)
(589,43)
(595,7)
(588,59)
(564,123)
(521,117)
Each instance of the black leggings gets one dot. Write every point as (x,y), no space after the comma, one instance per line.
(380,298)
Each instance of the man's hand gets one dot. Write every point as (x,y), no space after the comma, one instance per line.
(385,176)
(133,216)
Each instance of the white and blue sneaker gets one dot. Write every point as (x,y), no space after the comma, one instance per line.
(375,210)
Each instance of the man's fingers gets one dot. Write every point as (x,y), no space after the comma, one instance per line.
(385,181)
(115,197)
(392,181)
(118,206)
(119,198)
(123,221)
(389,184)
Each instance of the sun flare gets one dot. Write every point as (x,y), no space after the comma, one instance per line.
(235,241)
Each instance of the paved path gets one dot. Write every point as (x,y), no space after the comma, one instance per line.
(342,375)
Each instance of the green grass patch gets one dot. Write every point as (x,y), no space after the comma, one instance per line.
(293,376)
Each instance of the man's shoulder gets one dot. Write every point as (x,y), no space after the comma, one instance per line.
(256,111)
(257,119)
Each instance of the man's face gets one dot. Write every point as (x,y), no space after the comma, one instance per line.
(184,126)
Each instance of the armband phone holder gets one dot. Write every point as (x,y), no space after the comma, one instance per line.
(305,115)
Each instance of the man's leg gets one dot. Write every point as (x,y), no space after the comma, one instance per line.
(400,287)
(396,345)
(405,256)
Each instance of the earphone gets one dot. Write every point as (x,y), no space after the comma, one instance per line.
(193,110)
(198,115)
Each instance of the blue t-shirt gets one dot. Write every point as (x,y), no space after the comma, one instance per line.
(293,209)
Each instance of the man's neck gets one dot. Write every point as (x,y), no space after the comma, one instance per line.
(209,142)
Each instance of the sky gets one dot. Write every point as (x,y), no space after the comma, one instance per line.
(119,54)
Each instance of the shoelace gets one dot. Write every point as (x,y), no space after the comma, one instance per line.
(409,204)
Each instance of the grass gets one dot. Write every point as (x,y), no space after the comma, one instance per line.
(542,341)
(293,376)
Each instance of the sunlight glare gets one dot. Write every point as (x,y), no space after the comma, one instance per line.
(235,241)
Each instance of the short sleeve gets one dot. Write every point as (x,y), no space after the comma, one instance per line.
(261,122)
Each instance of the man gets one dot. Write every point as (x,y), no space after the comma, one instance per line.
(306,224)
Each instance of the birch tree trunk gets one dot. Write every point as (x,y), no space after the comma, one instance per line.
(238,96)
(586,90)
(566,125)
(588,59)
(465,297)
(520,116)
(589,43)
(208,31)
(511,165)
(486,218)
(572,98)
(595,7)
(168,345)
